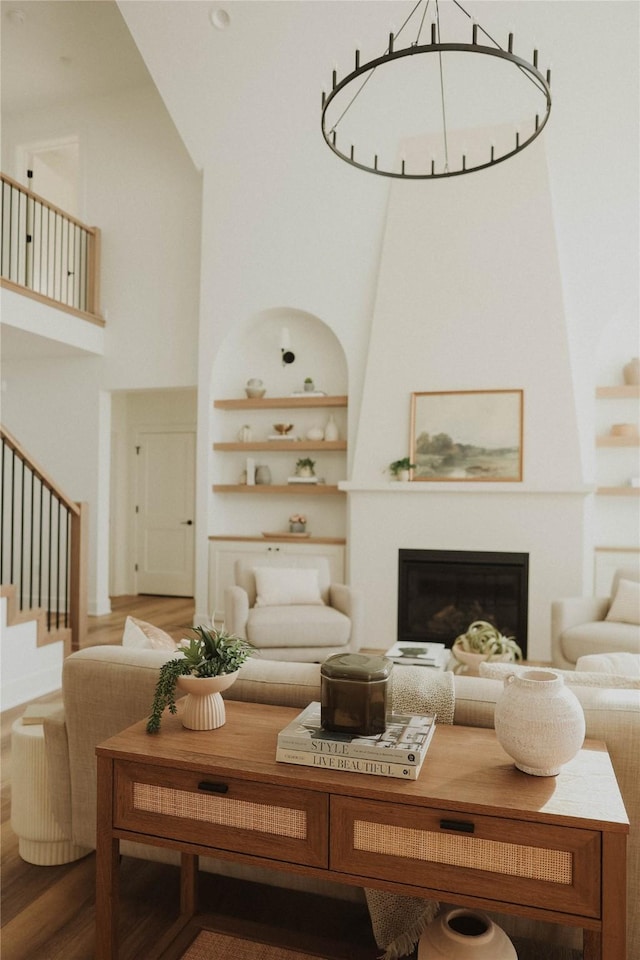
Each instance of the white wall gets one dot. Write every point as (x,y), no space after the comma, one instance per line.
(141,189)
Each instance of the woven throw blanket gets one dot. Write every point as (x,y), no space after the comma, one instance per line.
(398,922)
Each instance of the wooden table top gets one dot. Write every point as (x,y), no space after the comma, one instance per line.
(466,769)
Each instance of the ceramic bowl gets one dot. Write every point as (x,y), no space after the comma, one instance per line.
(255,392)
(282,428)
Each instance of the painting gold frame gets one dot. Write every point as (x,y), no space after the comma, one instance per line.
(467,436)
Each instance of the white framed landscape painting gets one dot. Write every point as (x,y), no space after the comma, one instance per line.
(467,435)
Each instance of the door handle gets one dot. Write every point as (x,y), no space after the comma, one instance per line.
(186,523)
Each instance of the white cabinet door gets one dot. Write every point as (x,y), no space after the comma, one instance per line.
(224,553)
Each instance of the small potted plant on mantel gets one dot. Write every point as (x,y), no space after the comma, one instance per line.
(400,469)
(207,663)
(483,641)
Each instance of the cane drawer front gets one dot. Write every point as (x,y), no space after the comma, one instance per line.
(510,860)
(247,817)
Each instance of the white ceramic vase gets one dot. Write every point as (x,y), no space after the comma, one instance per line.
(539,722)
(461,934)
(331,430)
(204,706)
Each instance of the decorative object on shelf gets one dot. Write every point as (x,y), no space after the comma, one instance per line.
(255,389)
(539,722)
(315,433)
(263,474)
(209,654)
(308,385)
(461,934)
(285,348)
(483,641)
(631,372)
(305,467)
(331,432)
(467,435)
(251,472)
(376,112)
(244,433)
(297,523)
(624,430)
(401,469)
(283,428)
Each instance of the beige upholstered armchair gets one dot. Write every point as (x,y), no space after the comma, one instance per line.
(586,625)
(288,609)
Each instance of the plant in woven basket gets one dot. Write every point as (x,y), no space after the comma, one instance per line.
(483,637)
(208,653)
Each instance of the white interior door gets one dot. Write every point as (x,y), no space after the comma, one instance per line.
(165,500)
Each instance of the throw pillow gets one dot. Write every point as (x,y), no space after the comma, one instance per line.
(139,633)
(573,678)
(625,607)
(280,586)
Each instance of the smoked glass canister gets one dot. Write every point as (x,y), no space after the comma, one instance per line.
(355,693)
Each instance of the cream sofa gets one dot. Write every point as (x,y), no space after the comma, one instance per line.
(107,688)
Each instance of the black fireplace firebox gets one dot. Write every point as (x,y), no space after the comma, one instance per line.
(441,592)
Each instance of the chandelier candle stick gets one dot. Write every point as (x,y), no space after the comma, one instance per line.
(336,106)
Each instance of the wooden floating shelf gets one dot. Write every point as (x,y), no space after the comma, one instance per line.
(616,441)
(620,392)
(275,403)
(284,445)
(335,541)
(619,491)
(290,489)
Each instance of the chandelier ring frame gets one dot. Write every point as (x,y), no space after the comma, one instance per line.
(530,69)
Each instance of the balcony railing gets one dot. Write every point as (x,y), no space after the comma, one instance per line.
(48,254)
(42,546)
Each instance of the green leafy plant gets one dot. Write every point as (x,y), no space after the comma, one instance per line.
(483,637)
(308,379)
(208,653)
(305,463)
(399,465)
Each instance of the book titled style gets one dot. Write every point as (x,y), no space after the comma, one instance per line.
(398,752)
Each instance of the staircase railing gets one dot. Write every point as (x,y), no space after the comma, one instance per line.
(42,546)
(46,253)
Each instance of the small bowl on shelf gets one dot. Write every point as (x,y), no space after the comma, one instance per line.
(283,428)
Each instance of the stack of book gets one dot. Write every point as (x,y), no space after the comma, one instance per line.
(419,654)
(398,752)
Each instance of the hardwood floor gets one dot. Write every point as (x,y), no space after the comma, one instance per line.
(48,912)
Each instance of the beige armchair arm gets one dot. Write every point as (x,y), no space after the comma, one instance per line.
(351,603)
(571,612)
(236,611)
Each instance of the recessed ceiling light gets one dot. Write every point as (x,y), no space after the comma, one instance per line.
(220,18)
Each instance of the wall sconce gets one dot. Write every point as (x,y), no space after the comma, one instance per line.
(285,348)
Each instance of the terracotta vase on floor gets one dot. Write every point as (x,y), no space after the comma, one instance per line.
(461,934)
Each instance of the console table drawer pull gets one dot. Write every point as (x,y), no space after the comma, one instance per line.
(213,787)
(462,826)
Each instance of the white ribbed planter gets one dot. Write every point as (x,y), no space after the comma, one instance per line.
(539,722)
(204,706)
(461,934)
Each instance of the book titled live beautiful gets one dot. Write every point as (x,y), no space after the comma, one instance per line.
(398,752)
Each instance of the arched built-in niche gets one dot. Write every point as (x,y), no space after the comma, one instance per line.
(253,349)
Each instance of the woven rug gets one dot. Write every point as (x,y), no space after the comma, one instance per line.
(218,946)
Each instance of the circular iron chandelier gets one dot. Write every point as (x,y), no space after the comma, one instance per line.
(431,170)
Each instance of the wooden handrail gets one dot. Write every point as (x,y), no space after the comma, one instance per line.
(47,203)
(39,472)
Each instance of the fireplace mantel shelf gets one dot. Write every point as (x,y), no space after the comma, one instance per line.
(468,487)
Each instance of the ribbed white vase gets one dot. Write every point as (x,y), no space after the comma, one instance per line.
(204,706)
(539,722)
(461,934)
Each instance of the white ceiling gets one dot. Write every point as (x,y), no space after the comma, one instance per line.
(51,49)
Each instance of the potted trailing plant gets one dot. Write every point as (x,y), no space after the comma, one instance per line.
(400,468)
(304,467)
(208,663)
(483,641)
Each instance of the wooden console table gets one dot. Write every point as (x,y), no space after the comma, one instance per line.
(471,830)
